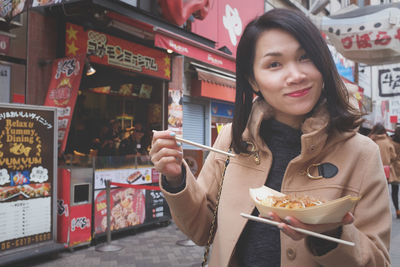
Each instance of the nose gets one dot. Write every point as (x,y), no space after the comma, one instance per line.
(295,74)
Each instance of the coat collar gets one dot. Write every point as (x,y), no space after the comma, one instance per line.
(314,128)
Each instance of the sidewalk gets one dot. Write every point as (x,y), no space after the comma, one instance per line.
(154,246)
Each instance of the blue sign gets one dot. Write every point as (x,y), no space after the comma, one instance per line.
(220,109)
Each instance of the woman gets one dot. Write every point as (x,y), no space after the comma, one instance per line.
(386,148)
(396,166)
(301,116)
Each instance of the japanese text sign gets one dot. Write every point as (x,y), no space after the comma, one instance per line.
(109,50)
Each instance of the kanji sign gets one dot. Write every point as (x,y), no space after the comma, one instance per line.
(389,80)
(109,50)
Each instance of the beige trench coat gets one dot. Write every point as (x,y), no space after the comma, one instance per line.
(396,163)
(360,174)
(388,153)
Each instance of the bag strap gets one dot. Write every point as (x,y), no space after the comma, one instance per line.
(213,222)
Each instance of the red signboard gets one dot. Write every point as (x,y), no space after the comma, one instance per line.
(226,21)
(4,44)
(109,50)
(63,91)
(194,52)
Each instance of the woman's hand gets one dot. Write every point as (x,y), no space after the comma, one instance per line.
(327,229)
(166,155)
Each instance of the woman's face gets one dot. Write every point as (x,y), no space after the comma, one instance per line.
(285,76)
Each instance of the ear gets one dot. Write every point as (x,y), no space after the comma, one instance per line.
(254,85)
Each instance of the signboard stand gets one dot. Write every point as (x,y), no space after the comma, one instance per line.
(28,181)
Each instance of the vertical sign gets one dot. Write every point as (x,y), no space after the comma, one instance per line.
(175,111)
(63,91)
(5,76)
(27,162)
(389,80)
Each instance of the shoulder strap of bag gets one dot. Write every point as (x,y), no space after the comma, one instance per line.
(213,222)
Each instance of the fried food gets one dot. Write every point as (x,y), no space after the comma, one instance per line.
(290,202)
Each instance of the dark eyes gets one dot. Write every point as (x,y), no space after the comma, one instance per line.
(274,64)
(304,57)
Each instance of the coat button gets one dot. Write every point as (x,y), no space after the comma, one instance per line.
(291,253)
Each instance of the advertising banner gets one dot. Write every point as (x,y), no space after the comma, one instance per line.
(226,21)
(11,8)
(175,111)
(156,206)
(123,176)
(27,163)
(127,209)
(63,91)
(109,50)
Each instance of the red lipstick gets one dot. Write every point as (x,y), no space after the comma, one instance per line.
(299,93)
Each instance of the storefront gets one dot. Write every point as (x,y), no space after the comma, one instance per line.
(115,112)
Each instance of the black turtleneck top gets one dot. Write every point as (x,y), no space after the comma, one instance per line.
(259,243)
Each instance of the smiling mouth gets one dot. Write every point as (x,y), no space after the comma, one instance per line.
(299,93)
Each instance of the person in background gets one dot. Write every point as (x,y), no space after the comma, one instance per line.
(300,117)
(133,143)
(394,182)
(386,148)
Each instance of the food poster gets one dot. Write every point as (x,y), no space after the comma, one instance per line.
(123,176)
(27,162)
(175,111)
(127,209)
(156,206)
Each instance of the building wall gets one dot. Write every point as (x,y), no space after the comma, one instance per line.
(42,39)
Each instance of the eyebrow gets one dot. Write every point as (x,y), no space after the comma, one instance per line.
(277,54)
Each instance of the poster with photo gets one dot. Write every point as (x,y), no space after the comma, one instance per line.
(175,111)
(127,209)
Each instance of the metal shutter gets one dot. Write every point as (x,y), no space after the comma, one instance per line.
(193,124)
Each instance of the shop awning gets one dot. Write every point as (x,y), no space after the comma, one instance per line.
(212,90)
(213,84)
(181,45)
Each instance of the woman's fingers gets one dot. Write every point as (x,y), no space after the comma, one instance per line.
(166,154)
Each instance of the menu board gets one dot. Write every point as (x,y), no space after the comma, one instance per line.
(27,163)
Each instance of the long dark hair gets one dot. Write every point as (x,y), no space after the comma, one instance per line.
(343,116)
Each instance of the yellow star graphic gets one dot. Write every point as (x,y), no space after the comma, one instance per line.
(72,49)
(72,33)
(65,82)
(167,61)
(167,72)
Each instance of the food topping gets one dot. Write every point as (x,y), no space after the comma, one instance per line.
(290,202)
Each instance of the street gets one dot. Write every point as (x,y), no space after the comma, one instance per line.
(153,246)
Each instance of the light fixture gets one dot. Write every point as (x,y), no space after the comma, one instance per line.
(169,51)
(89,69)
